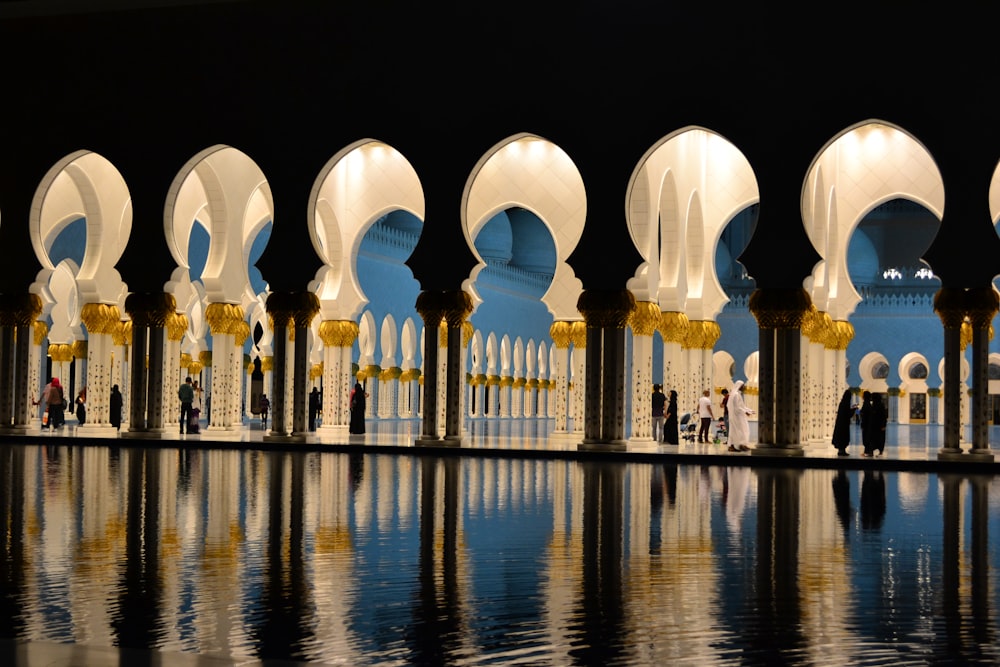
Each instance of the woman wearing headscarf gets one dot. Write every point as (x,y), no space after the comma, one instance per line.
(358,405)
(842,424)
(739,425)
(670,434)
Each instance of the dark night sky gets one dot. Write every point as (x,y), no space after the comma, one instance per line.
(290,83)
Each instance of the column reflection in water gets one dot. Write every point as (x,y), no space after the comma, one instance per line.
(135,614)
(374,559)
(774,630)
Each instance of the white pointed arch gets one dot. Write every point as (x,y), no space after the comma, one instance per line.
(84,185)
(532,173)
(864,166)
(681,195)
(222,189)
(359,184)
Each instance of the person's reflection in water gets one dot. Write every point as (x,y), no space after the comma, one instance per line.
(872,500)
(670,474)
(842,499)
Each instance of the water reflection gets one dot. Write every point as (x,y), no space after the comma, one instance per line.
(380,559)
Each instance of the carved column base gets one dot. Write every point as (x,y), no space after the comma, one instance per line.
(288,439)
(977,456)
(612,446)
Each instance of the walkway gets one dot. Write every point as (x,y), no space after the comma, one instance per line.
(908,447)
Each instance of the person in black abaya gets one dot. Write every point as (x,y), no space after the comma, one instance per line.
(670,434)
(842,424)
(358,405)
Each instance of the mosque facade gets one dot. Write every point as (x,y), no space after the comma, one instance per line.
(500,265)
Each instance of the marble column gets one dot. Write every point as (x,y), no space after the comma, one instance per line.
(120,339)
(949,304)
(102,321)
(981,306)
(674,330)
(338,338)
(606,313)
(40,330)
(431,307)
(18,315)
(176,327)
(451,308)
(578,386)
(290,309)
(224,321)
(644,321)
(779,314)
(149,312)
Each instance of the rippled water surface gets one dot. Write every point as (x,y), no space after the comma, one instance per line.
(408,560)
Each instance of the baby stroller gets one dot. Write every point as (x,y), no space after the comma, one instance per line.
(687,427)
(721,432)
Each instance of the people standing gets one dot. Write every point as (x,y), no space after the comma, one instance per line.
(725,410)
(116,407)
(55,402)
(670,433)
(263,405)
(659,403)
(705,413)
(81,406)
(314,407)
(878,419)
(866,409)
(194,423)
(358,405)
(739,425)
(186,396)
(842,424)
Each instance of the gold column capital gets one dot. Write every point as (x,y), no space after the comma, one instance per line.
(777,308)
(451,305)
(982,305)
(177,325)
(645,319)
(41,330)
(673,326)
(561,334)
(606,308)
(292,308)
(338,333)
(949,304)
(100,318)
(150,309)
(61,352)
(224,318)
(578,335)
(842,334)
(19,309)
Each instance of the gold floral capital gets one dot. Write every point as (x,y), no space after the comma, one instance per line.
(606,308)
(949,304)
(41,330)
(177,325)
(224,318)
(842,334)
(981,305)
(80,349)
(195,367)
(645,319)
(338,333)
(124,334)
(61,352)
(100,318)
(578,335)
(779,308)
(560,334)
(673,326)
(150,309)
(19,310)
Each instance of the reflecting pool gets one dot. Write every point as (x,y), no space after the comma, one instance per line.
(384,559)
